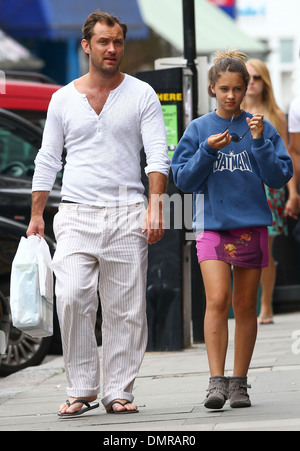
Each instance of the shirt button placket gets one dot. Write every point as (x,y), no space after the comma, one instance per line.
(99,125)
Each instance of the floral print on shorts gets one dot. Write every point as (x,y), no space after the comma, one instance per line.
(247,248)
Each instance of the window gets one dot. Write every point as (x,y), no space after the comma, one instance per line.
(286,50)
(18,149)
(19,145)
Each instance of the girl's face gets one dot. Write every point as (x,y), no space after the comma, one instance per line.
(230,90)
(256,84)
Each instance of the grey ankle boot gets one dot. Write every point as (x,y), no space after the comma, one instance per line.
(218,392)
(238,394)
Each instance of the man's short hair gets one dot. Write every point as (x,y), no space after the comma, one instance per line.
(99,16)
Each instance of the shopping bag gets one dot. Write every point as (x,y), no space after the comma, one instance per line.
(31,288)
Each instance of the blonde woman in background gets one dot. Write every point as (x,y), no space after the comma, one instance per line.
(260,99)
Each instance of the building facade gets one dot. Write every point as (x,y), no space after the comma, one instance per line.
(277,23)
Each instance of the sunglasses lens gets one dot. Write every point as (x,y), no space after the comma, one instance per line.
(235,138)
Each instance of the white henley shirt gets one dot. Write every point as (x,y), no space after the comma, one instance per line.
(103,151)
(294,116)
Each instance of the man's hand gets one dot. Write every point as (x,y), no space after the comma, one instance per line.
(36,227)
(153,223)
(37,224)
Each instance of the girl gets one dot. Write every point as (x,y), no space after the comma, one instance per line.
(229,168)
(260,99)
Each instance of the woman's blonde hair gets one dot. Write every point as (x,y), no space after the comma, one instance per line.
(272,110)
(228,61)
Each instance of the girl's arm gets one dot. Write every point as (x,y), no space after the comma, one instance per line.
(274,162)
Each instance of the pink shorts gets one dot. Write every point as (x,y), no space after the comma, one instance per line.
(247,248)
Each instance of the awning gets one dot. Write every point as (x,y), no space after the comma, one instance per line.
(215,30)
(14,56)
(63,19)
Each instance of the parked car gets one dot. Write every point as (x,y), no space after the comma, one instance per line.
(4,325)
(18,349)
(28,95)
(20,141)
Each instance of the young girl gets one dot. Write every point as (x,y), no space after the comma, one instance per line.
(260,99)
(230,169)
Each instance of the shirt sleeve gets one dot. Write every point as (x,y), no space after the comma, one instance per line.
(294,116)
(154,137)
(49,158)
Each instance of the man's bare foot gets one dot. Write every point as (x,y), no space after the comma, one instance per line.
(121,405)
(66,408)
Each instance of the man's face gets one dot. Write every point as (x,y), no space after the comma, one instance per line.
(106,48)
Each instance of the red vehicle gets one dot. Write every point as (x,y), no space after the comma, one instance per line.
(28,95)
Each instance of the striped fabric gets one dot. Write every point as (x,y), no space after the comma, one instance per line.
(101,245)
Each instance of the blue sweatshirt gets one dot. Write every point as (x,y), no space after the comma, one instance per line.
(231,179)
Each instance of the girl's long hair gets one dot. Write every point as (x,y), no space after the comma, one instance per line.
(272,110)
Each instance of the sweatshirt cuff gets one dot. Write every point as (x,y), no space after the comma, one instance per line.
(209,149)
(259,142)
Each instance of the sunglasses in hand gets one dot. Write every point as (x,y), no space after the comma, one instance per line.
(234,137)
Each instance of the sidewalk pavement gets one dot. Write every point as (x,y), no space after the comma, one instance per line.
(170,390)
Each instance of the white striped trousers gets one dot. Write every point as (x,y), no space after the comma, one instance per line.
(102,246)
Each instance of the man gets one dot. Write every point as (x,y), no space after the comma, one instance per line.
(293,203)
(294,130)
(103,120)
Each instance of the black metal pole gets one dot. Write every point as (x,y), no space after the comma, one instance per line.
(190,52)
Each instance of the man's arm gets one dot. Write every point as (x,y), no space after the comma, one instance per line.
(294,151)
(154,221)
(158,164)
(37,224)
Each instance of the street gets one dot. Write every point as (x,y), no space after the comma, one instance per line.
(170,390)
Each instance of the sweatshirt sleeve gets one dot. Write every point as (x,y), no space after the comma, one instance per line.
(192,162)
(274,162)
(49,158)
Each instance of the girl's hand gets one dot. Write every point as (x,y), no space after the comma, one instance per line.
(256,124)
(292,207)
(219,141)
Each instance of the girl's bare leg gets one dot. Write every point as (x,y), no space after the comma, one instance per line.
(268,279)
(244,302)
(217,281)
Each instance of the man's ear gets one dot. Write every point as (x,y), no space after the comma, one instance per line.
(86,46)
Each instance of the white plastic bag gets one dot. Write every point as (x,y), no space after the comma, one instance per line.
(31,288)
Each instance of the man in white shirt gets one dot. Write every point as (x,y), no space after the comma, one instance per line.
(294,133)
(103,120)
(294,150)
